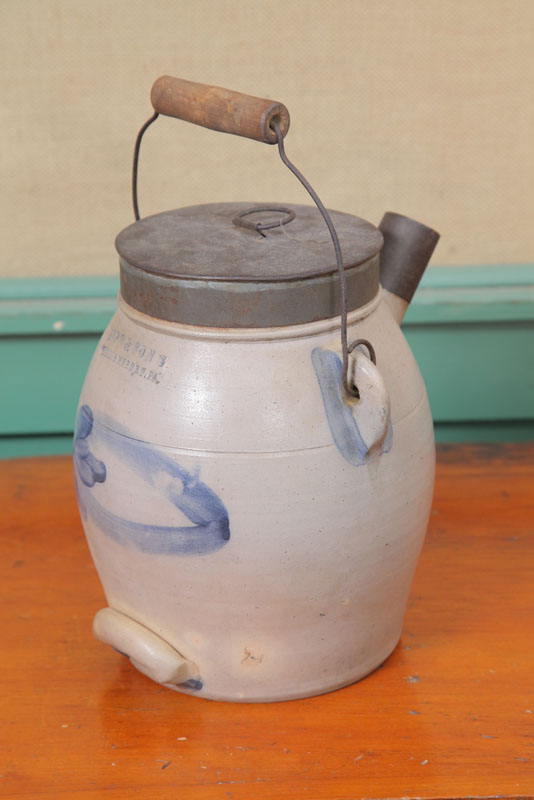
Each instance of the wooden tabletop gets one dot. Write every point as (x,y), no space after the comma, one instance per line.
(450,714)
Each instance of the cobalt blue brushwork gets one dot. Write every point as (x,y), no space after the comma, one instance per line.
(193,683)
(89,469)
(211,526)
(341,421)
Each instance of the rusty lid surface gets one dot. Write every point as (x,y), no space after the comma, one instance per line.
(197,266)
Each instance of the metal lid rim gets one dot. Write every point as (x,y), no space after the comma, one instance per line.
(306,276)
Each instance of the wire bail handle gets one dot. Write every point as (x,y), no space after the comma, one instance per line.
(255,118)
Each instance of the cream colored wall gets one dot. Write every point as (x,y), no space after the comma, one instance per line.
(419,106)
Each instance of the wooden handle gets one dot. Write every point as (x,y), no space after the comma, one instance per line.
(219,109)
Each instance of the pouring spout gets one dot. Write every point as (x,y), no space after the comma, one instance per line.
(408,247)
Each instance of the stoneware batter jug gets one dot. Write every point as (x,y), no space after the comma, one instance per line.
(254,451)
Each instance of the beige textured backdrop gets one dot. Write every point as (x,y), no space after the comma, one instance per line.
(419,106)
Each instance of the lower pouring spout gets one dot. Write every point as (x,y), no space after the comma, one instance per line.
(408,247)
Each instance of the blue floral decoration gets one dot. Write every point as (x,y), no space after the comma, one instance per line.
(201,505)
(343,426)
(89,468)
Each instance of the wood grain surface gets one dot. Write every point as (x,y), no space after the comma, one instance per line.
(450,714)
(219,109)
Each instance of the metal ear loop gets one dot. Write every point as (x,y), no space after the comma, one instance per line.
(348,386)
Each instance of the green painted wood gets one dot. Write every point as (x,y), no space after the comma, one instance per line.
(56,288)
(22,446)
(56,306)
(471,330)
(56,317)
(483,275)
(498,431)
(467,304)
(45,376)
(476,372)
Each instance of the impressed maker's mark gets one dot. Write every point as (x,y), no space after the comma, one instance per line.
(134,356)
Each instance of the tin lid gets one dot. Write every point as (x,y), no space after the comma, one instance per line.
(233,265)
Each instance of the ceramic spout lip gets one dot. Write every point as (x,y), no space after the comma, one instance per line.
(397,305)
(408,247)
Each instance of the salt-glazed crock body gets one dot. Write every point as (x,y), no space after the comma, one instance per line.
(255,529)
(230,523)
